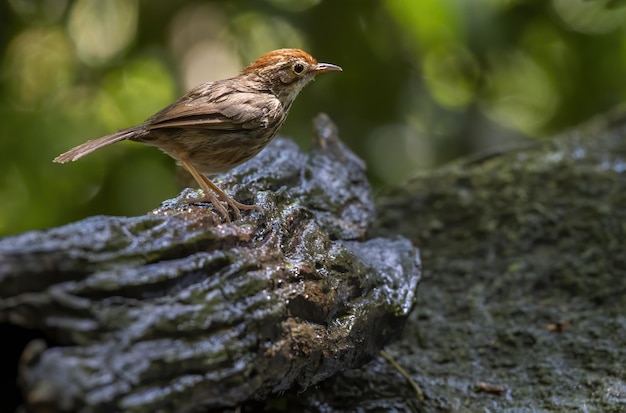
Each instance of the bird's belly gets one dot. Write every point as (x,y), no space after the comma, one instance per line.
(211,151)
(232,150)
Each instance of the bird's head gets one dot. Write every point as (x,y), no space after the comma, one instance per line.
(287,71)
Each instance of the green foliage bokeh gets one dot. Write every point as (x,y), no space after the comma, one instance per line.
(424,82)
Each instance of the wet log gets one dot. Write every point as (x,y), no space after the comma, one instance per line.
(178,311)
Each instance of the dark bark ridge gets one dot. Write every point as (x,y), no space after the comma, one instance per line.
(177,311)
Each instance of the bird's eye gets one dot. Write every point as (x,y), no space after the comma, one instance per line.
(298,68)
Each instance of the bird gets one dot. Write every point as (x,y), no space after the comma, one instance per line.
(221,124)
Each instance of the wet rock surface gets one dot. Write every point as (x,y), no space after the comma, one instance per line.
(179,311)
(524,285)
(522,307)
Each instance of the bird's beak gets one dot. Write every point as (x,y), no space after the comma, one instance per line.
(327,67)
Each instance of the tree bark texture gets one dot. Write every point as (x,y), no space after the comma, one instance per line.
(179,311)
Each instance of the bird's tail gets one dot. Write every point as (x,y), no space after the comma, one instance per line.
(79,151)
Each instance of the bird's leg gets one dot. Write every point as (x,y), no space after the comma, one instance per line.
(206,186)
(236,206)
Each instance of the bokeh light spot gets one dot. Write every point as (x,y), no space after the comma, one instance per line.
(101,30)
(132,93)
(451,74)
(591,17)
(39,61)
(520,94)
(258,34)
(39,10)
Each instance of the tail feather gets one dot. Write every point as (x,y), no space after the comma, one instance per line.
(86,148)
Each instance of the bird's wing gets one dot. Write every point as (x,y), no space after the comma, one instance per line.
(220,106)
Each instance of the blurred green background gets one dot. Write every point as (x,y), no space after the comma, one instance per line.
(424,82)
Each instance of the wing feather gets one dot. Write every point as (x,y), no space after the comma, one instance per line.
(220,106)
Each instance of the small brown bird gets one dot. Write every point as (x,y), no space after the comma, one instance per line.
(219,125)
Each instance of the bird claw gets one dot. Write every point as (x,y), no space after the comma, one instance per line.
(221,209)
(237,206)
